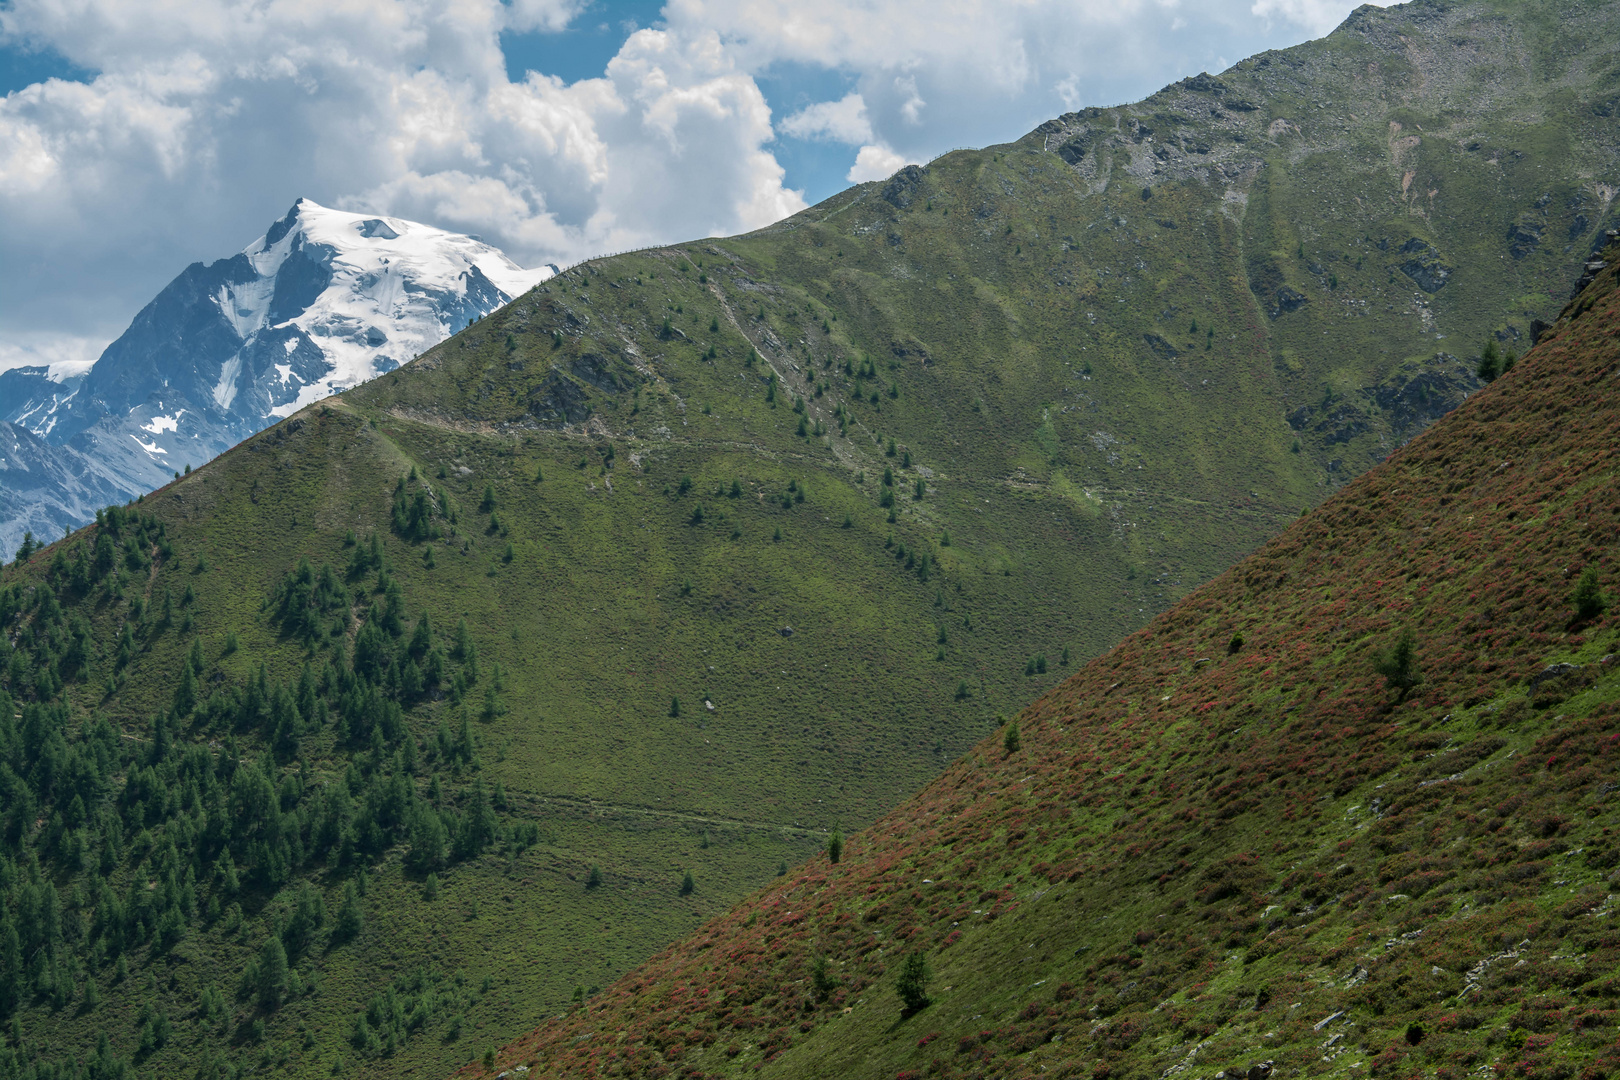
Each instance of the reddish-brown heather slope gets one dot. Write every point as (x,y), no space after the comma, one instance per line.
(1202,850)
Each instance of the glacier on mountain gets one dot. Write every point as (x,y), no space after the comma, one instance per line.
(323,301)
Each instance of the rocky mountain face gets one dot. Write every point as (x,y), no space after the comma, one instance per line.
(323,301)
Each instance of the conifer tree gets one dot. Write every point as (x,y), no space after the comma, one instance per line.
(421,637)
(185,694)
(464,743)
(11,965)
(272,972)
(821,978)
(160,739)
(427,839)
(912,983)
(479,825)
(1399,665)
(1588,596)
(350,919)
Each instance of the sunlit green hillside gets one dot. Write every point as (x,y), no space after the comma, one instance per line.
(641,586)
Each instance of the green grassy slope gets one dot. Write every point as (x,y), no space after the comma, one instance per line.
(1017,321)
(1245,841)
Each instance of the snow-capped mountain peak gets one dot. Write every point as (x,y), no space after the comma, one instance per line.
(367,293)
(324,300)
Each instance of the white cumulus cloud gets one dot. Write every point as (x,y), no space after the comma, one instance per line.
(875,163)
(1316,16)
(969,72)
(64,353)
(205,119)
(843,120)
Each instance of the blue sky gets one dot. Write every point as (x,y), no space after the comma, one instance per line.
(21,67)
(582,49)
(557,129)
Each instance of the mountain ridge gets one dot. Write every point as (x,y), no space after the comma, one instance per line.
(1348,790)
(749,538)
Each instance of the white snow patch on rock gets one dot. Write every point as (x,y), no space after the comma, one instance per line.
(159,424)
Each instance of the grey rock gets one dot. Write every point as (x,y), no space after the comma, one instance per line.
(598,371)
(1272,290)
(559,401)
(1204,83)
(1074,150)
(1424,267)
(1523,236)
(1552,672)
(1287,299)
(1411,399)
(1160,347)
(901,190)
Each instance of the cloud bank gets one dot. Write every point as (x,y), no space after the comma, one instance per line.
(205,119)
